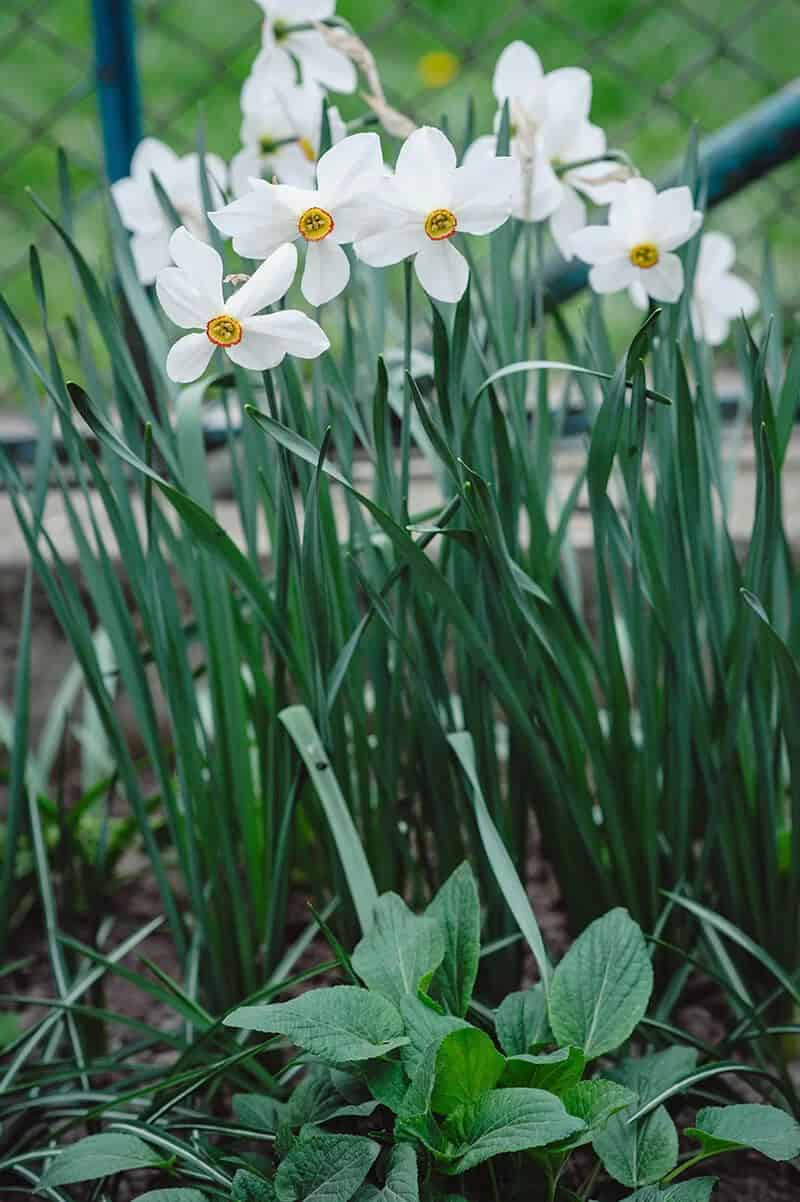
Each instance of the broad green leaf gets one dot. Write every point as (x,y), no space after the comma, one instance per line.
(173,1195)
(554,1071)
(340,1024)
(425,1029)
(386,1081)
(319,1098)
(771,1131)
(100,1156)
(414,1118)
(457,910)
(402,1179)
(258,1111)
(468,1065)
(602,987)
(640,1153)
(323,1167)
(511,1120)
(699,1189)
(521,1021)
(649,1076)
(595,1102)
(248,1187)
(400,952)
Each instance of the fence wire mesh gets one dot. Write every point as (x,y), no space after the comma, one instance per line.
(657,69)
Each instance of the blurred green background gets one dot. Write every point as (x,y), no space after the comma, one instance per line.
(657,69)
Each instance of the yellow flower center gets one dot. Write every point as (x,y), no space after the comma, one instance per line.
(440,223)
(224,330)
(315,224)
(307,149)
(644,254)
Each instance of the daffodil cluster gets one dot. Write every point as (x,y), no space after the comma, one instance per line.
(284,191)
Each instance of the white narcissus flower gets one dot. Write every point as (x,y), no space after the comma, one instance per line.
(318,60)
(644,228)
(550,128)
(191,295)
(340,210)
(141,211)
(718,296)
(428,200)
(281,132)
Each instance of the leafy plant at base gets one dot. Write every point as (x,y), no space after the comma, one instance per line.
(400,1096)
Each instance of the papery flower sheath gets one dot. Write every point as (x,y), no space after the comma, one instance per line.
(191,295)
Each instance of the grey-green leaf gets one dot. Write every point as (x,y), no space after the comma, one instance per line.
(554,1071)
(601,989)
(425,1030)
(325,1168)
(171,1195)
(521,1021)
(258,1111)
(511,1120)
(249,1187)
(595,1102)
(341,1024)
(400,952)
(699,1189)
(771,1131)
(457,910)
(402,1179)
(640,1153)
(100,1156)
(468,1065)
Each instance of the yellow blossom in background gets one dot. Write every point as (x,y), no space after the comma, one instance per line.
(438,68)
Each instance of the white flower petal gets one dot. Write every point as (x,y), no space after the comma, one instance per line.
(351,166)
(246,166)
(295,332)
(732,296)
(152,157)
(675,216)
(189,358)
(717,255)
(256,351)
(597,244)
(292,166)
(150,253)
(425,167)
(201,263)
(326,273)
(664,282)
(182,302)
(639,296)
(442,270)
(568,93)
(632,215)
(137,205)
(321,62)
(540,190)
(482,198)
(569,217)
(392,244)
(296,11)
(518,74)
(587,141)
(263,219)
(271,281)
(613,275)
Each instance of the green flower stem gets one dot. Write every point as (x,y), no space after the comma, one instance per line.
(698,1158)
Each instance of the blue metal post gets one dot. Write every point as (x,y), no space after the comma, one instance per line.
(731,158)
(117,83)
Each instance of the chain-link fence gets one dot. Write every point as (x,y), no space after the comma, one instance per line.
(658,68)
